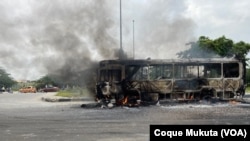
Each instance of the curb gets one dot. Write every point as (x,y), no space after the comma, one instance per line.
(62,99)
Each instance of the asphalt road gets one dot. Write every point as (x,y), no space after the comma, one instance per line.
(25,117)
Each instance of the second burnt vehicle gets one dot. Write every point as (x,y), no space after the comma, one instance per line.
(132,82)
(50,89)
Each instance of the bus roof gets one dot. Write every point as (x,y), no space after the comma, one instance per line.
(169,61)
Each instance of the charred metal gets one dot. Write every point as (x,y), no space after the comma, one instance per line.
(136,82)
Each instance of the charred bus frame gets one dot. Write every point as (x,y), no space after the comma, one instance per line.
(134,81)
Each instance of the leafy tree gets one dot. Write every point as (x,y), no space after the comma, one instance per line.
(248,75)
(241,49)
(220,47)
(5,79)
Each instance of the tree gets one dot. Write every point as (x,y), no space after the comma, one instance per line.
(248,76)
(220,47)
(5,80)
(241,49)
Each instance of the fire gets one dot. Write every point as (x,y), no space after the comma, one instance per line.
(233,102)
(129,101)
(125,100)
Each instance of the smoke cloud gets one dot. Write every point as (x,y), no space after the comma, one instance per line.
(65,38)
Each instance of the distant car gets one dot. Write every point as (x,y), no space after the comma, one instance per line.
(50,89)
(28,89)
(2,89)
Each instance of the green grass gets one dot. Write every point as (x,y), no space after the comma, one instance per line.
(74,92)
(64,93)
(248,89)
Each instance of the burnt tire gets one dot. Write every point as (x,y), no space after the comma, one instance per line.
(207,99)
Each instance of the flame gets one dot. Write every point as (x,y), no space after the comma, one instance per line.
(125,100)
(233,102)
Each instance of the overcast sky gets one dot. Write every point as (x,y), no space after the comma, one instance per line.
(53,36)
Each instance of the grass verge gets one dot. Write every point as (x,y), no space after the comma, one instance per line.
(248,89)
(74,92)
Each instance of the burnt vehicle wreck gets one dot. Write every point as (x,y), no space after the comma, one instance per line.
(134,82)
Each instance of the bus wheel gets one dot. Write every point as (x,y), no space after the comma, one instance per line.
(208,99)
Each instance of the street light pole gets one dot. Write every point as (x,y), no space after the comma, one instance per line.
(133,41)
(120,29)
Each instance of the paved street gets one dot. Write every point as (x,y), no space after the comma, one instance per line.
(26,117)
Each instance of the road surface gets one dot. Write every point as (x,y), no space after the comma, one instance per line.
(25,117)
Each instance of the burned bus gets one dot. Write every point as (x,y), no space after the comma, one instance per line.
(132,82)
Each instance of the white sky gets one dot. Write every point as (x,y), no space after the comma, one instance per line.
(41,36)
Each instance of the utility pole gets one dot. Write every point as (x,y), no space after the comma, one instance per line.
(133,41)
(121,51)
